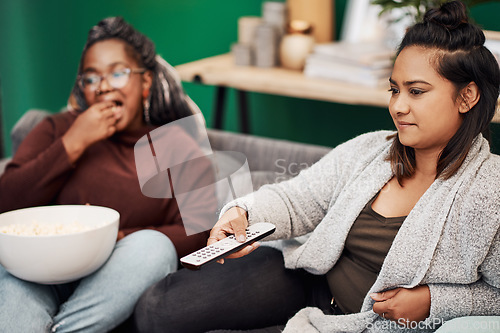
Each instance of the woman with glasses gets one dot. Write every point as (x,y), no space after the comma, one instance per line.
(86,156)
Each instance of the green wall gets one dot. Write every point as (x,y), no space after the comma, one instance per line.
(41,42)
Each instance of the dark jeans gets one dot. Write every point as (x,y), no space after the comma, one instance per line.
(253,292)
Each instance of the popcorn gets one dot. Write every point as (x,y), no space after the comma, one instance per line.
(37,229)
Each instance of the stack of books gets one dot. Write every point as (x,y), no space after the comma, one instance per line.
(494,47)
(368,64)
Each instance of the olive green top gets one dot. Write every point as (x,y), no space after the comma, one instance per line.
(365,249)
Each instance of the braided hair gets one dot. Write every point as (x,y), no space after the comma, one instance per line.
(461,58)
(166,98)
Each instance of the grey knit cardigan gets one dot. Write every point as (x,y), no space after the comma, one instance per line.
(449,241)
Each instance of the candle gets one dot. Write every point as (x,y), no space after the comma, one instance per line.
(246,29)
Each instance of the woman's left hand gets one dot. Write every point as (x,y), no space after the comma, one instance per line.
(403,305)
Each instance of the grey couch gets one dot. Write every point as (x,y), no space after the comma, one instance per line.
(269,161)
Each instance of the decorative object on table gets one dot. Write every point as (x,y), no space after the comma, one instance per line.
(259,38)
(268,34)
(266,45)
(320,13)
(275,13)
(366,63)
(244,50)
(364,53)
(363,23)
(296,45)
(243,54)
(246,29)
(493,45)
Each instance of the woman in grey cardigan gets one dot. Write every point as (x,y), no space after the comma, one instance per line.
(404,226)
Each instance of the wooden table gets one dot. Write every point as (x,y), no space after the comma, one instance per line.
(221,72)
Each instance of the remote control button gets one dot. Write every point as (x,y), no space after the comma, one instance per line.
(225,246)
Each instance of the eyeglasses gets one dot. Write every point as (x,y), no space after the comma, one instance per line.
(117,78)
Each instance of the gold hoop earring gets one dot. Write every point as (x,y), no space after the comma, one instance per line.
(147,117)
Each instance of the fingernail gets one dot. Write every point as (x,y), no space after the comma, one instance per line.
(373,295)
(241,238)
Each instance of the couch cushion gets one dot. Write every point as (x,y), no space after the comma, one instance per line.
(3,164)
(281,156)
(24,125)
(228,165)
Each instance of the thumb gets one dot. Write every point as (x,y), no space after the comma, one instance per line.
(239,223)
(385,295)
(239,231)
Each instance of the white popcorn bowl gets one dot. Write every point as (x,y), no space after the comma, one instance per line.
(55,259)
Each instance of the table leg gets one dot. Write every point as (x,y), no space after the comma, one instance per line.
(219,107)
(244,117)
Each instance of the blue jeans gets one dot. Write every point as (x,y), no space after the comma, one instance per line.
(96,303)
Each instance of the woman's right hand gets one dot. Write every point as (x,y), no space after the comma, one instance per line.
(94,124)
(234,221)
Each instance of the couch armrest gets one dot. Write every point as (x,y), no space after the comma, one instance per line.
(266,154)
(3,164)
(24,125)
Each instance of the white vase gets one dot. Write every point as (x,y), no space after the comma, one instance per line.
(295,47)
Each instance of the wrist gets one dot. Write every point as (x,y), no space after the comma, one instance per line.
(74,148)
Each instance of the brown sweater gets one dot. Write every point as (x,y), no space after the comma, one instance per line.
(105,175)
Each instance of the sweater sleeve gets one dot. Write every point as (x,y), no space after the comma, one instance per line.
(449,301)
(38,170)
(298,205)
(301,199)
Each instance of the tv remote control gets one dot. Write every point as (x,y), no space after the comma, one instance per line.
(226,246)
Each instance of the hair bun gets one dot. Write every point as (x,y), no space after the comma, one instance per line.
(450,15)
